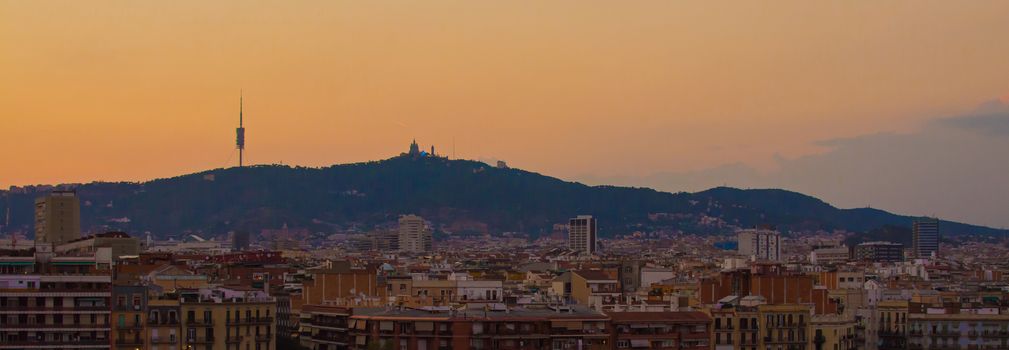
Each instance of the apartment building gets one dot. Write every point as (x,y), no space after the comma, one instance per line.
(785,326)
(325,327)
(228,318)
(54,302)
(835,332)
(129,318)
(593,288)
(558,327)
(891,325)
(164,325)
(957,326)
(660,330)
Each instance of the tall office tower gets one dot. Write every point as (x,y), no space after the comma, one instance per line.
(761,244)
(582,234)
(240,240)
(414,236)
(926,237)
(57,217)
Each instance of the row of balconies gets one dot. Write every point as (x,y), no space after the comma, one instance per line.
(53,325)
(129,342)
(159,340)
(30,308)
(80,342)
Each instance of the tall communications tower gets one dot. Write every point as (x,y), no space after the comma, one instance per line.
(240,132)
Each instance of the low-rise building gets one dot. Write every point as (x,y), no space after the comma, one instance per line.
(563,327)
(660,330)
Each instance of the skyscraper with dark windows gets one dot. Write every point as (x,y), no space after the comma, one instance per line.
(926,237)
(582,234)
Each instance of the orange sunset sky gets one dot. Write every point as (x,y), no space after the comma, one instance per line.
(127,90)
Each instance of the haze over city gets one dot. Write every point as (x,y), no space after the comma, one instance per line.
(649,93)
(514,175)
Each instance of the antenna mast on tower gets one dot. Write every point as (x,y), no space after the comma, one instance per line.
(240,132)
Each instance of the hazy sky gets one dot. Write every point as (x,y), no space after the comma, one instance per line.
(575,89)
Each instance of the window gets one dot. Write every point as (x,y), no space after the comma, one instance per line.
(624,343)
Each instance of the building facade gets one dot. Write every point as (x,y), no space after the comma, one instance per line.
(129,320)
(760,244)
(49,302)
(879,252)
(582,234)
(414,235)
(228,319)
(57,218)
(926,237)
(660,330)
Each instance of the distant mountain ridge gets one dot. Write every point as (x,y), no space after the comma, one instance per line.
(455,195)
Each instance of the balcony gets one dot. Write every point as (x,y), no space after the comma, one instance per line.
(154,322)
(158,340)
(200,340)
(260,320)
(130,342)
(200,322)
(31,308)
(83,342)
(264,338)
(233,339)
(135,326)
(8,326)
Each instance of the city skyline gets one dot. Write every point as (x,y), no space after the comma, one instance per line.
(472,175)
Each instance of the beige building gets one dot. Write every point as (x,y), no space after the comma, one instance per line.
(785,326)
(764,326)
(163,324)
(594,288)
(57,218)
(120,243)
(834,331)
(230,319)
(414,236)
(891,329)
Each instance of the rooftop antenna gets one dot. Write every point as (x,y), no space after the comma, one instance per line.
(240,132)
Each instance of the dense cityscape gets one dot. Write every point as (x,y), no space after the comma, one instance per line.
(397,287)
(513,175)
